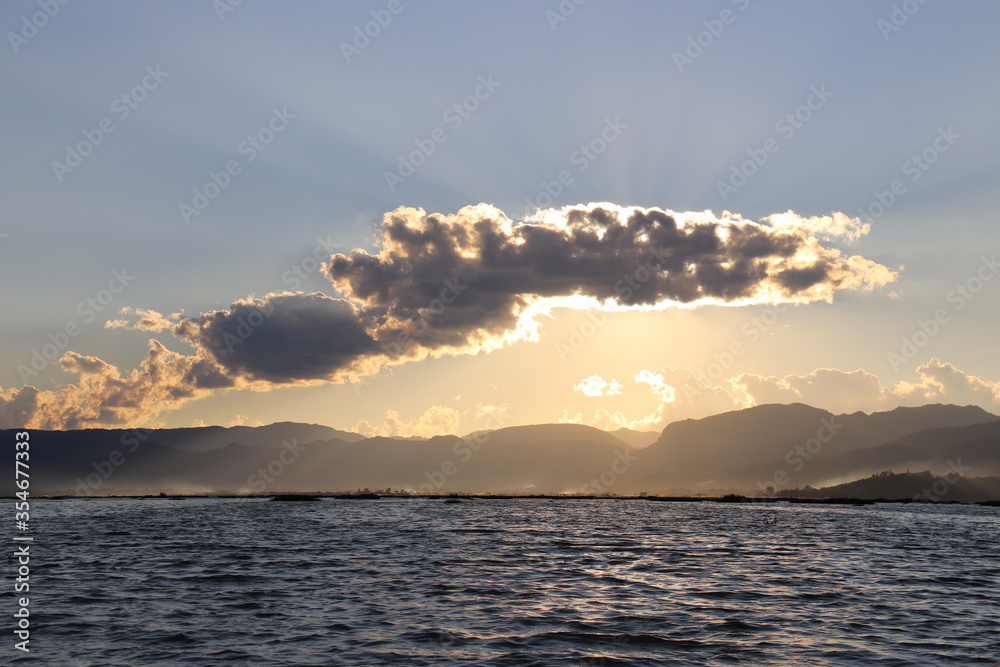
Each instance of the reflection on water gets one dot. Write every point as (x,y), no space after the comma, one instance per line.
(512,582)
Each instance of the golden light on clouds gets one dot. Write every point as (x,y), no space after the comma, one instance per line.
(441,285)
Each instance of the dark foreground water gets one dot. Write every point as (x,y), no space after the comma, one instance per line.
(510,582)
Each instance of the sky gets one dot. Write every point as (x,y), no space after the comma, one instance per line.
(410,218)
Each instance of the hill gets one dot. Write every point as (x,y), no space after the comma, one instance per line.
(912,486)
(793,445)
(550,457)
(760,449)
(636,439)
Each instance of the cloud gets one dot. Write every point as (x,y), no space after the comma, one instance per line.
(149,320)
(282,338)
(827,388)
(18,407)
(241,420)
(840,391)
(567,418)
(476,280)
(436,420)
(496,267)
(682,394)
(679,393)
(595,386)
(661,389)
(685,395)
(103,396)
(942,382)
(829,227)
(496,413)
(460,284)
(612,421)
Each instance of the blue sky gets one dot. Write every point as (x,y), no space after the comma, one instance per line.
(555,86)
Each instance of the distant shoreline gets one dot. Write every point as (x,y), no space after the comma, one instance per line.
(494,496)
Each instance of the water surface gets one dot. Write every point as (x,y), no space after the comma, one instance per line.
(511,582)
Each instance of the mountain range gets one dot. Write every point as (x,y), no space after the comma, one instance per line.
(911,486)
(763,450)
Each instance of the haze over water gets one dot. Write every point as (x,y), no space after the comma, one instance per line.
(513,582)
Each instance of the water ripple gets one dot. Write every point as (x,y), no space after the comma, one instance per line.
(512,582)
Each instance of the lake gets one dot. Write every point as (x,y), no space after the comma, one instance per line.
(206,581)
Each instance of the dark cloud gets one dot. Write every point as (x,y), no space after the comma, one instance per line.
(800,279)
(628,257)
(462,283)
(445,284)
(281,338)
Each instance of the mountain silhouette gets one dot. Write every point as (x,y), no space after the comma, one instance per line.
(213,437)
(637,439)
(975,446)
(918,487)
(746,451)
